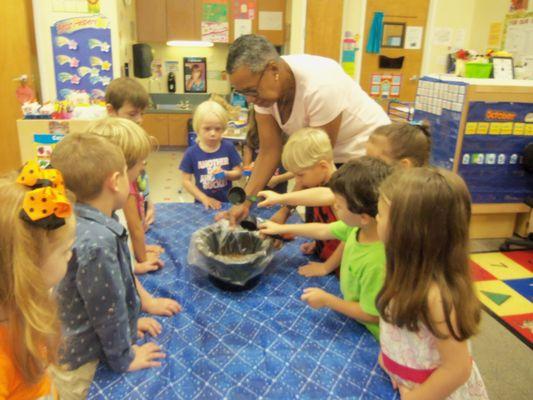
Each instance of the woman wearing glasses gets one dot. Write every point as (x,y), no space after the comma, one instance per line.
(293,92)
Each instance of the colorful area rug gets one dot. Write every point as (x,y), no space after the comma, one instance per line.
(504,282)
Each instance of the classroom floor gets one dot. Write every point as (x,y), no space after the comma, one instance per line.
(504,361)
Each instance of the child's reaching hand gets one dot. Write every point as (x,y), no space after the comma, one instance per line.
(315,297)
(146,356)
(154,248)
(154,258)
(271,198)
(161,306)
(314,269)
(308,248)
(147,266)
(150,325)
(209,202)
(271,228)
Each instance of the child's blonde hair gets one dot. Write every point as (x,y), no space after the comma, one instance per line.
(411,141)
(206,108)
(86,161)
(33,324)
(305,148)
(427,243)
(135,143)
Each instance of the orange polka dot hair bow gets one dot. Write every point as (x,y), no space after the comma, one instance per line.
(46,205)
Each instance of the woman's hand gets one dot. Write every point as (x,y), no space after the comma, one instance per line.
(235,214)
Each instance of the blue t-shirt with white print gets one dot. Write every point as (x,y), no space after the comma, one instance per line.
(202,164)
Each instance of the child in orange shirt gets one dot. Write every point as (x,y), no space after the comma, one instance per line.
(38,230)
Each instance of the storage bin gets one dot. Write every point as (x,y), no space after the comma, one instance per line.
(478,70)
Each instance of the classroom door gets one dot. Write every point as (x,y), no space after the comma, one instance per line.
(19,56)
(323,28)
(412,13)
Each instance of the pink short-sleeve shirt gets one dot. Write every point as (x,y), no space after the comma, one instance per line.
(323,91)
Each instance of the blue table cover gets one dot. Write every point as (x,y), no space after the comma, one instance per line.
(261,344)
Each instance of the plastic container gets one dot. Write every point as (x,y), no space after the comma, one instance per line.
(478,70)
(232,257)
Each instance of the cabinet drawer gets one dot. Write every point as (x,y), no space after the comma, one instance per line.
(157,126)
(177,129)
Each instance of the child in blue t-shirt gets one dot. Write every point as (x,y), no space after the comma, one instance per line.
(213,162)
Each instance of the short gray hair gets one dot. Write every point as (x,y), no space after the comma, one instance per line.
(253,51)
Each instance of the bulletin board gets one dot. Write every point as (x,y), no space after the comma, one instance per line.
(495,135)
(441,103)
(82,56)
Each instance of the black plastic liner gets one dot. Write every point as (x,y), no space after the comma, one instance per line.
(231,255)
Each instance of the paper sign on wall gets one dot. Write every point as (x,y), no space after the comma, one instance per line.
(495,35)
(215,12)
(43,145)
(413,37)
(242,27)
(172,66)
(442,36)
(244,9)
(270,20)
(385,85)
(216,32)
(459,38)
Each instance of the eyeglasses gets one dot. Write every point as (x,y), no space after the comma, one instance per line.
(251,92)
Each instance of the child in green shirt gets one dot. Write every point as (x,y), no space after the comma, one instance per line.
(355,186)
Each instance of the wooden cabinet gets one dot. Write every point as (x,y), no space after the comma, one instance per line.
(323,28)
(168,129)
(157,126)
(151,20)
(159,21)
(184,19)
(277,37)
(177,129)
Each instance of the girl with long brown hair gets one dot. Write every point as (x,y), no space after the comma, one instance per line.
(428,306)
(37,235)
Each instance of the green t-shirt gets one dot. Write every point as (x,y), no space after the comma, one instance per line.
(362,270)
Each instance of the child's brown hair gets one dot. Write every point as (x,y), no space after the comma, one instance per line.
(358,182)
(86,161)
(427,244)
(122,90)
(411,141)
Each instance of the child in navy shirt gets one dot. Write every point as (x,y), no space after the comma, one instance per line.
(209,167)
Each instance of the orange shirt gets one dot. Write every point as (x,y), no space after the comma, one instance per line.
(12,385)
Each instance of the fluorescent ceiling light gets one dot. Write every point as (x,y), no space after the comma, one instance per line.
(189,43)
